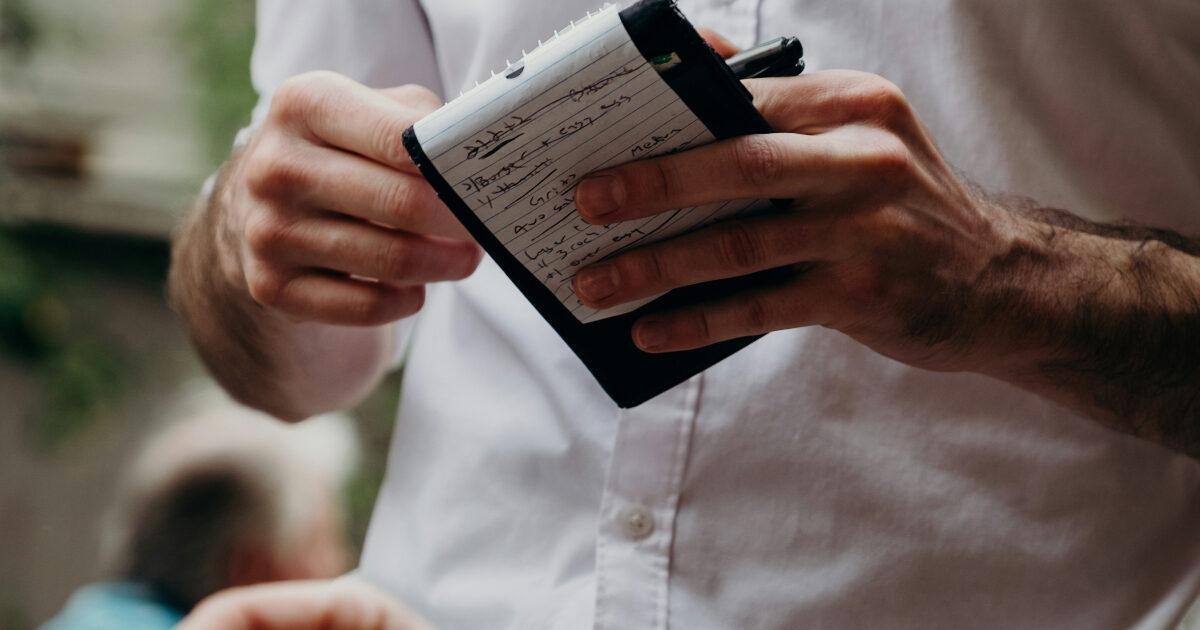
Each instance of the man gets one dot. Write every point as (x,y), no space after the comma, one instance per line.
(224,498)
(938,452)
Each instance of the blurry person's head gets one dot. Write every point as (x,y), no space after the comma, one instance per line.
(229,497)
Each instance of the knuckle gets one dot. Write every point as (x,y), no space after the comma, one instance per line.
(878,231)
(265,287)
(315,95)
(297,95)
(646,267)
(387,306)
(276,178)
(882,101)
(738,247)
(418,95)
(259,179)
(862,289)
(853,232)
(265,233)
(397,199)
(387,139)
(756,314)
(259,163)
(758,158)
(271,172)
(286,102)
(395,260)
(373,310)
(660,181)
(891,228)
(700,327)
(892,158)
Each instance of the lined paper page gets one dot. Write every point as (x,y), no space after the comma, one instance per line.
(514,148)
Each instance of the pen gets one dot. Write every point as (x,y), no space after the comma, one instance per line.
(779,57)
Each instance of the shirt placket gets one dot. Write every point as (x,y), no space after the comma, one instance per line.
(641,491)
(637,514)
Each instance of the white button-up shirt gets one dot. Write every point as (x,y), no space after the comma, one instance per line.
(805,482)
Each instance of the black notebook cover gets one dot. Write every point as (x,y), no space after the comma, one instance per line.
(705,84)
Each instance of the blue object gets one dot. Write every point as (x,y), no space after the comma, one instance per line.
(115,606)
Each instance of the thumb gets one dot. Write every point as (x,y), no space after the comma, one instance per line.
(801,104)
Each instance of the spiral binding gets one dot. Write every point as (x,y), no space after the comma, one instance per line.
(608,6)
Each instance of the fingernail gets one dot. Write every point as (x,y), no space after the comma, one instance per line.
(596,282)
(599,196)
(650,334)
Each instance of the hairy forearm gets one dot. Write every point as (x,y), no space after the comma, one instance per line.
(1109,318)
(265,360)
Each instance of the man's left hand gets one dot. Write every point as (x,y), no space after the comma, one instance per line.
(883,241)
(883,238)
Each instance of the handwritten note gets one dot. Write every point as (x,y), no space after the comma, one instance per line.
(515,147)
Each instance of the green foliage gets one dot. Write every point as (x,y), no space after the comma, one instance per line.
(219,35)
(81,380)
(18,30)
(46,323)
(18,289)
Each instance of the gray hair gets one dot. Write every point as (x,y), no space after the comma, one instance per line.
(226,480)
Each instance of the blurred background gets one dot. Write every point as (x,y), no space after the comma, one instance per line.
(111,116)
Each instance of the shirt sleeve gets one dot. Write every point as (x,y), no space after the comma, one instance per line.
(380,43)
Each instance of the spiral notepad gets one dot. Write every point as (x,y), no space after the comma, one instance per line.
(505,157)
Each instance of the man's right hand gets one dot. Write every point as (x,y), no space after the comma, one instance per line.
(327,219)
(316,234)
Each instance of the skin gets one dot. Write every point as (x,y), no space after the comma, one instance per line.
(321,231)
(344,604)
(317,233)
(268,269)
(887,244)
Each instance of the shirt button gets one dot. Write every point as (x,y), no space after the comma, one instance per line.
(637,522)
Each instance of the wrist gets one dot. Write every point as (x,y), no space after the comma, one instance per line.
(1104,319)
(224,226)
(1034,293)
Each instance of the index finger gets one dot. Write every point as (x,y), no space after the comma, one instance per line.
(347,115)
(764,166)
(820,101)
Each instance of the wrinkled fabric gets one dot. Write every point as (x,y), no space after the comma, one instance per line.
(805,482)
